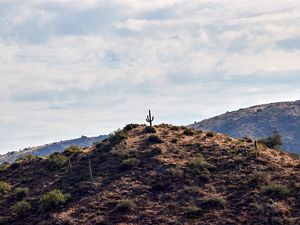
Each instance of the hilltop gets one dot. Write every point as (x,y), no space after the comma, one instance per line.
(47,149)
(260,121)
(161,175)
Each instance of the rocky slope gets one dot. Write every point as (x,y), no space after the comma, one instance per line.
(173,176)
(47,149)
(260,121)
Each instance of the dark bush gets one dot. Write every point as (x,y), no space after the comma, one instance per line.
(57,160)
(150,129)
(125,205)
(276,190)
(4,220)
(274,141)
(21,193)
(117,137)
(21,208)
(210,134)
(212,202)
(188,132)
(193,212)
(131,126)
(131,162)
(154,139)
(53,199)
(4,188)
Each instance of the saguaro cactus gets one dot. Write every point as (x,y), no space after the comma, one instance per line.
(91,172)
(150,118)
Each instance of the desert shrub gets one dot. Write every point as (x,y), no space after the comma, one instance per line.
(260,178)
(193,190)
(57,160)
(210,134)
(193,212)
(73,149)
(276,190)
(21,193)
(4,188)
(155,151)
(199,163)
(4,220)
(125,205)
(212,202)
(188,132)
(175,172)
(274,141)
(117,137)
(174,140)
(130,126)
(21,208)
(175,128)
(150,129)
(131,162)
(28,157)
(53,199)
(154,139)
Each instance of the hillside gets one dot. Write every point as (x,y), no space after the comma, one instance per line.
(260,121)
(173,176)
(47,149)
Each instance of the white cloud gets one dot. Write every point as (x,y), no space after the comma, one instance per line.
(88,67)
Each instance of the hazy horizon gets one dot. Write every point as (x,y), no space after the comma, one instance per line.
(89,67)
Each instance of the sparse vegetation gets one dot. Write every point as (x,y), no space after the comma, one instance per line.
(188,132)
(73,149)
(21,193)
(125,205)
(193,212)
(276,190)
(21,208)
(260,178)
(131,126)
(4,188)
(57,160)
(274,141)
(131,162)
(53,199)
(175,172)
(4,220)
(212,202)
(154,139)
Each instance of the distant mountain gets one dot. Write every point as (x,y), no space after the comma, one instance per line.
(50,148)
(260,121)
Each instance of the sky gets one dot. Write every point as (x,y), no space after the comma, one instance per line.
(88,67)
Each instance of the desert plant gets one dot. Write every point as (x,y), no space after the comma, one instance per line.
(199,163)
(210,134)
(188,132)
(150,118)
(273,141)
(131,162)
(117,137)
(131,126)
(21,208)
(73,149)
(260,178)
(53,199)
(4,188)
(4,220)
(175,172)
(21,193)
(193,212)
(125,205)
(212,202)
(193,190)
(154,139)
(276,190)
(150,129)
(57,160)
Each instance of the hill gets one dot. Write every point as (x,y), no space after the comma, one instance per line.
(47,149)
(165,175)
(260,121)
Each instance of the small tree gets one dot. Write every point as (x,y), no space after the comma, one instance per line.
(274,141)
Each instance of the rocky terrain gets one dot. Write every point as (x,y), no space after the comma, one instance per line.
(161,175)
(260,121)
(47,149)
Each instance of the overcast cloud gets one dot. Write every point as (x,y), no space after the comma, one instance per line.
(87,67)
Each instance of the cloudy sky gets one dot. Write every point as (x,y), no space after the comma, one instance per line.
(87,67)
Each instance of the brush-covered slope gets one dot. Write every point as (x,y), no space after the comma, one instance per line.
(260,121)
(172,176)
(47,149)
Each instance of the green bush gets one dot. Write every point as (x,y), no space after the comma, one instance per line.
(21,193)
(150,129)
(212,202)
(125,205)
(131,126)
(117,138)
(188,132)
(193,190)
(57,160)
(131,162)
(73,149)
(274,141)
(199,163)
(4,220)
(21,208)
(276,190)
(4,188)
(154,139)
(53,199)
